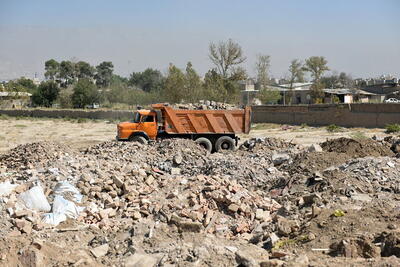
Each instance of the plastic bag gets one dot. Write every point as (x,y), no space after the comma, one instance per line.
(53,218)
(61,205)
(63,208)
(35,199)
(6,188)
(65,188)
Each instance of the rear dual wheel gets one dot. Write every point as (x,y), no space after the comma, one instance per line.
(224,143)
(205,143)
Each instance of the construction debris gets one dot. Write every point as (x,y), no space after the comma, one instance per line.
(270,203)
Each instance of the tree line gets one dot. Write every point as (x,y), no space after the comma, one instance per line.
(72,84)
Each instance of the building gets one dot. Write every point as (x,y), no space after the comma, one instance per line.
(15,99)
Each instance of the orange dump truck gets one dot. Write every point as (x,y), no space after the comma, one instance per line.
(215,130)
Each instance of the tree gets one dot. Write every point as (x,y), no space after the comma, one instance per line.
(104,73)
(85,93)
(83,70)
(342,80)
(296,71)
(193,86)
(269,95)
(67,72)
(316,66)
(263,65)
(226,55)
(174,84)
(214,86)
(52,68)
(46,94)
(148,80)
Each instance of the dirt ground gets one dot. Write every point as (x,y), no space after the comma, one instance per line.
(171,203)
(15,132)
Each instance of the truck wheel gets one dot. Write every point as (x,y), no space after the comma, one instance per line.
(139,139)
(205,143)
(224,143)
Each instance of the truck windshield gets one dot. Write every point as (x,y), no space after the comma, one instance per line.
(136,117)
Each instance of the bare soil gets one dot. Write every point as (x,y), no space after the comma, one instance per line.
(14,132)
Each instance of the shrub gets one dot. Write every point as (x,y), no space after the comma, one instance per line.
(333,128)
(392,128)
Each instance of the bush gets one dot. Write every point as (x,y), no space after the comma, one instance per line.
(46,94)
(392,128)
(333,128)
(85,93)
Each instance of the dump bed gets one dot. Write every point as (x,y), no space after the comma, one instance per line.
(182,121)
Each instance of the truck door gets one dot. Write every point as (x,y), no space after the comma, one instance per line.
(148,125)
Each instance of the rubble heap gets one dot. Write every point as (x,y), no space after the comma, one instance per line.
(268,203)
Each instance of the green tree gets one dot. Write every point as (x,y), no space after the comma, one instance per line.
(67,73)
(52,68)
(296,72)
(104,73)
(316,66)
(83,70)
(214,86)
(269,95)
(193,85)
(28,84)
(46,94)
(85,93)
(226,55)
(148,80)
(174,85)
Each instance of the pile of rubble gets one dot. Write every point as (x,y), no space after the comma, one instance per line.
(268,203)
(206,105)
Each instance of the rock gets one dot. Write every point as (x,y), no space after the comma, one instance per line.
(279,158)
(243,259)
(140,260)
(272,263)
(178,159)
(299,261)
(175,171)
(23,225)
(361,197)
(284,226)
(195,227)
(263,215)
(315,148)
(233,207)
(118,181)
(100,251)
(353,248)
(273,238)
(150,180)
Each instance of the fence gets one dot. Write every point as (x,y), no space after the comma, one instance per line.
(347,115)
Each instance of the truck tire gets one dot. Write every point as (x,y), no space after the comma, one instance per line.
(205,143)
(139,139)
(224,143)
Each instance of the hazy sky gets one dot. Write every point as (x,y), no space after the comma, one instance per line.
(359,37)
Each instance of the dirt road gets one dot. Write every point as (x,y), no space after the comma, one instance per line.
(79,135)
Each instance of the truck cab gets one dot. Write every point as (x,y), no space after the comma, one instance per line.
(143,124)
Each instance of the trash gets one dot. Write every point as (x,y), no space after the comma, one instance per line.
(338,213)
(35,199)
(66,189)
(63,208)
(6,188)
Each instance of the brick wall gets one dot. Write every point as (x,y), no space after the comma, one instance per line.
(347,115)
